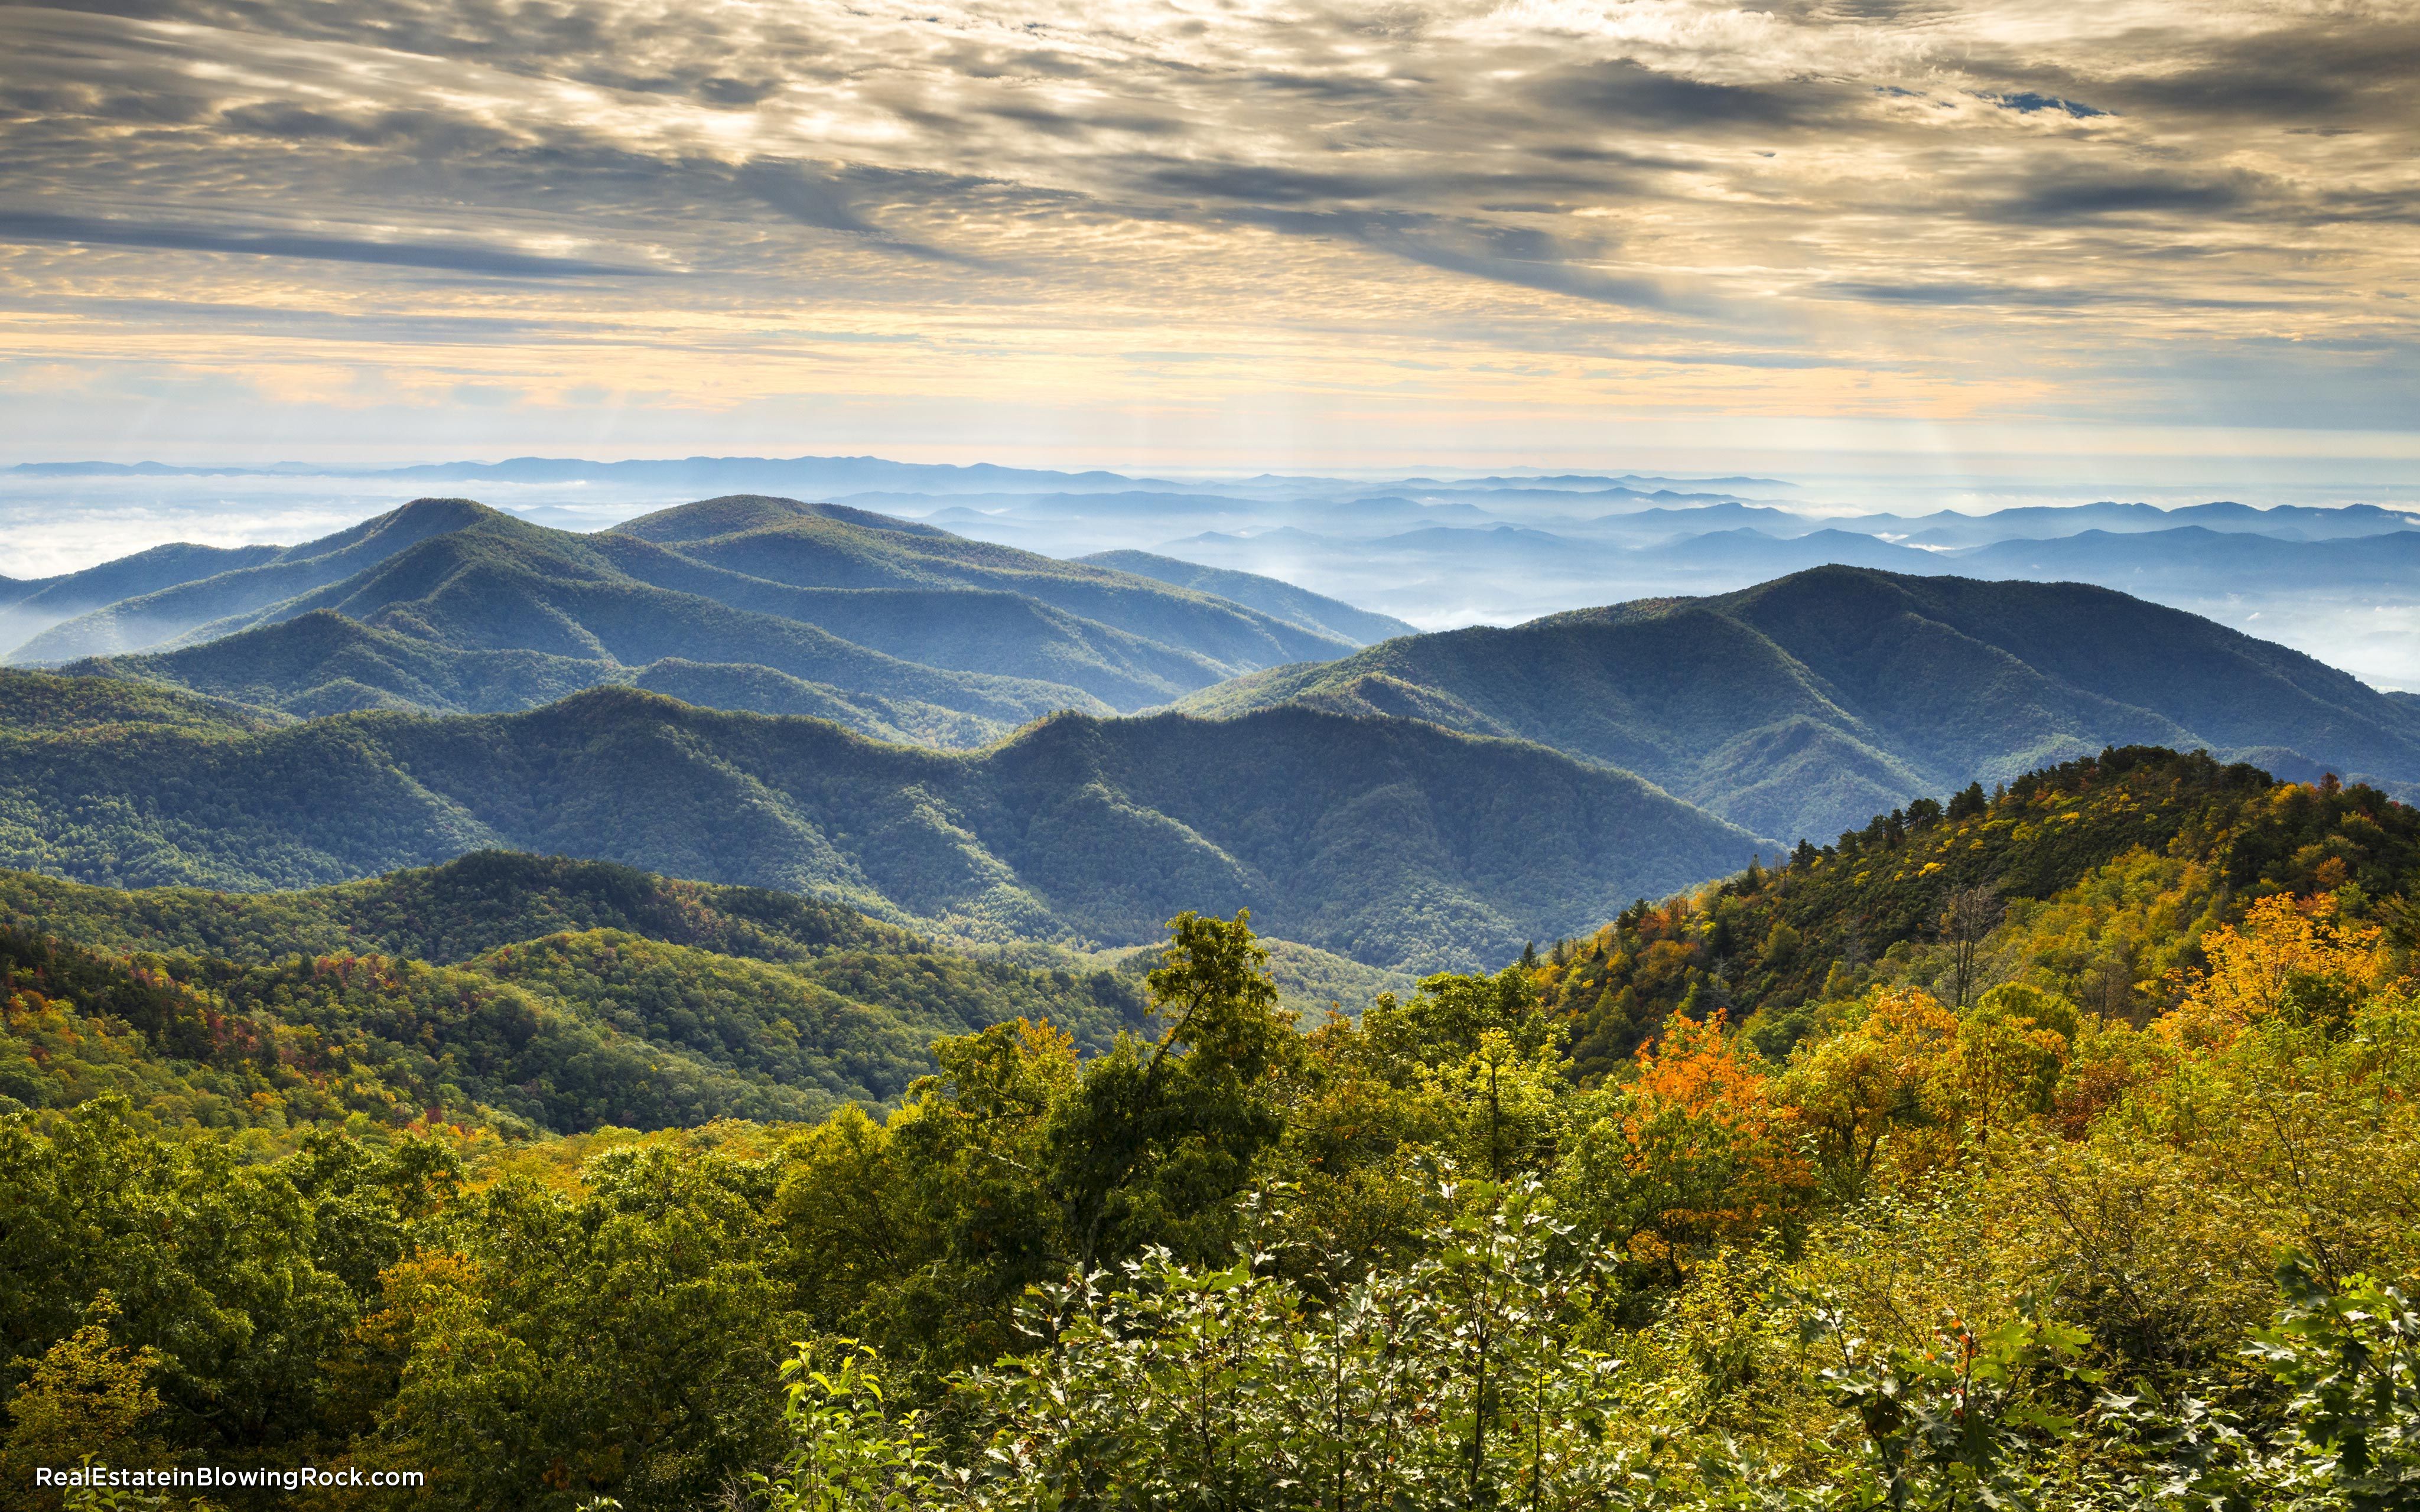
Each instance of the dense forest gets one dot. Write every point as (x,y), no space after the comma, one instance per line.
(2051,1147)
(1388,840)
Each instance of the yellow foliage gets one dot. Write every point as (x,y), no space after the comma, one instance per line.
(2289,957)
(87,1399)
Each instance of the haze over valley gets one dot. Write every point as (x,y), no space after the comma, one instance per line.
(2333,578)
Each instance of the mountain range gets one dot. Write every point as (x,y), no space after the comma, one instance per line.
(898,630)
(926,727)
(1802,706)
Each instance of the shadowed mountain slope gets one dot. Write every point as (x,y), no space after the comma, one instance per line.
(1390,841)
(323,662)
(1802,706)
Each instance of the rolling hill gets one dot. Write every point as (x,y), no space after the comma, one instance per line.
(1391,843)
(898,629)
(498,990)
(1801,706)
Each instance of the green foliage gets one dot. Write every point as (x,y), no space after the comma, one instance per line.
(2006,1255)
(846,1452)
(622,1340)
(1965,1422)
(2351,1360)
(1444,1385)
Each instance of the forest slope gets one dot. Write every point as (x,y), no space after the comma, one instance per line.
(1389,842)
(500,990)
(1804,705)
(2094,881)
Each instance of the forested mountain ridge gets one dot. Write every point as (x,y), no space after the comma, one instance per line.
(1384,841)
(324,662)
(777,539)
(2094,880)
(449,914)
(903,631)
(148,619)
(1801,706)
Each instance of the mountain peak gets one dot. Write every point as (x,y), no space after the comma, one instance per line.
(738,513)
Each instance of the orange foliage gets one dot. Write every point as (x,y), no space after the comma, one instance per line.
(1694,1069)
(1696,1102)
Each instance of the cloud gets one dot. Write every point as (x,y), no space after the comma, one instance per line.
(1624,93)
(1572,203)
(454,257)
(829,203)
(2093,192)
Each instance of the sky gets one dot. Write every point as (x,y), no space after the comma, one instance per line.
(2134,240)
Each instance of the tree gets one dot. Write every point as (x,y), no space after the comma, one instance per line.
(1156,1137)
(1967,919)
(86,1400)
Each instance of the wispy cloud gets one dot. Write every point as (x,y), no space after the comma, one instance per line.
(496,262)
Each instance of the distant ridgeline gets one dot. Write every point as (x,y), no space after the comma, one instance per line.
(2093,881)
(895,629)
(1800,706)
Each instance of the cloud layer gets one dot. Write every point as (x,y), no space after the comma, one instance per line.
(1203,219)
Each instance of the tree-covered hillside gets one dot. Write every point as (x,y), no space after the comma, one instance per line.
(323,662)
(499,992)
(2103,1201)
(1391,843)
(449,914)
(1801,706)
(2095,880)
